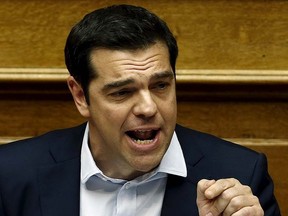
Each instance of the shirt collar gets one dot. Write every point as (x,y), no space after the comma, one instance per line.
(172,163)
(88,165)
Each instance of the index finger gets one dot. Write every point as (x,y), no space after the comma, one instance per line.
(202,187)
(219,187)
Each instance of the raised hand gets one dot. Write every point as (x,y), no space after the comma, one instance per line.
(226,197)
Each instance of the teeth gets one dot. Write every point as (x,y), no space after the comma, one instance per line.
(142,142)
(142,137)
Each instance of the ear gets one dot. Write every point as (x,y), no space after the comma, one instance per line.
(78,96)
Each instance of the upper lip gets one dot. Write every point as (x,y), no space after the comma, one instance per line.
(143,132)
(144,128)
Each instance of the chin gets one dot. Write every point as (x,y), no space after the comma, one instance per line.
(146,165)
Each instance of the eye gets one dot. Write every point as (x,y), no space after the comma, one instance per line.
(121,94)
(161,85)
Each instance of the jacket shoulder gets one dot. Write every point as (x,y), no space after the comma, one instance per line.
(218,158)
(210,144)
(36,149)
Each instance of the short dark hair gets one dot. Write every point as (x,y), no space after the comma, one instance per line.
(117,27)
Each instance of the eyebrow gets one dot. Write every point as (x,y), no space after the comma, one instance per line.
(120,83)
(164,74)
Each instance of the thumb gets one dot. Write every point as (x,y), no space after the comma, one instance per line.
(202,200)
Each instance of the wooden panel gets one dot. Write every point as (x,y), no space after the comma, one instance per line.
(30,116)
(236,119)
(232,107)
(211,34)
(277,164)
(227,106)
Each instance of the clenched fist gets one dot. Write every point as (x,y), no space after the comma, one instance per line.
(226,197)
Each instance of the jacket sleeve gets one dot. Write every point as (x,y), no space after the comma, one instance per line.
(263,187)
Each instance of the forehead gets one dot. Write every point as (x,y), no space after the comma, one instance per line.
(107,62)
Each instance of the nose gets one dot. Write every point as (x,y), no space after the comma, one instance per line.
(145,106)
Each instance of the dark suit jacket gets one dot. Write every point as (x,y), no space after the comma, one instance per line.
(41,176)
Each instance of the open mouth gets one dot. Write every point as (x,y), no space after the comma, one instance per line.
(142,136)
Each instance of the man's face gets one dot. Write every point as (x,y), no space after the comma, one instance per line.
(132,110)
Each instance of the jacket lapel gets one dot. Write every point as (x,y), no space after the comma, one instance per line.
(59,187)
(59,182)
(181,193)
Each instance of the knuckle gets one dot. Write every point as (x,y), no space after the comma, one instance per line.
(254,211)
(223,183)
(261,212)
(201,182)
(227,195)
(229,182)
(255,200)
(246,189)
(248,212)
(234,181)
(236,203)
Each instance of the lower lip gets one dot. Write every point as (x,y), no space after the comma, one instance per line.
(144,148)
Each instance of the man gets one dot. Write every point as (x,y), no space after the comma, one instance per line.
(130,158)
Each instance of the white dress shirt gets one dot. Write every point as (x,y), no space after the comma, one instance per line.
(104,196)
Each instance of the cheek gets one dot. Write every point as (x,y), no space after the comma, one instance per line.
(172,112)
(114,115)
(169,108)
